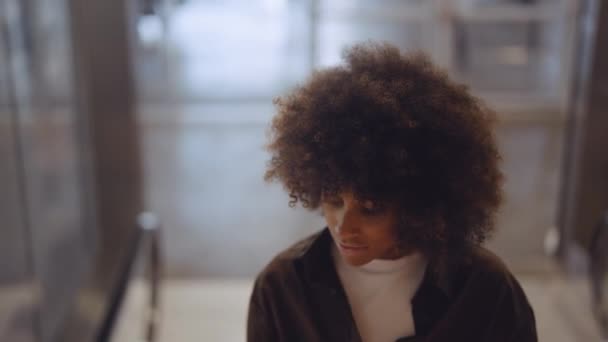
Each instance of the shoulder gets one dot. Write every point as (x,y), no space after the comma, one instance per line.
(486,265)
(488,274)
(475,270)
(485,262)
(283,266)
(498,291)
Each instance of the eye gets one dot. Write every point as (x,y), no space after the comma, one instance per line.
(370,208)
(335,202)
(370,211)
(368,205)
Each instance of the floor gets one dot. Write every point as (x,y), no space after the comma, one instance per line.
(216,310)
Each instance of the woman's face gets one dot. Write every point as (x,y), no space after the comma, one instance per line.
(361,230)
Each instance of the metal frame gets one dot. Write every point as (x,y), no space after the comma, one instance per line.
(146,251)
(599,275)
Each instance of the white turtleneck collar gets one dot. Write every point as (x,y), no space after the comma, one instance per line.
(380,294)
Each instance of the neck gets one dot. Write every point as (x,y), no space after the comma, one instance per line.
(398,253)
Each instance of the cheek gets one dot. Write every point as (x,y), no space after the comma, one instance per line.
(330,217)
(383,234)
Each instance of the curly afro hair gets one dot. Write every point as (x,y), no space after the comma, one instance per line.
(392,128)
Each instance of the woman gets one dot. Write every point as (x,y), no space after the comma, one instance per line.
(402,163)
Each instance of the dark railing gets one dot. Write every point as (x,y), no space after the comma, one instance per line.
(599,274)
(145,256)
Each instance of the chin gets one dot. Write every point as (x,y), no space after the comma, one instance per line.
(356,261)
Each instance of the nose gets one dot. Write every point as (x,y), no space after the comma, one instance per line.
(348,225)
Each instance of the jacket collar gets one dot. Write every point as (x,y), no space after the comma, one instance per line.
(317,263)
(428,304)
(315,257)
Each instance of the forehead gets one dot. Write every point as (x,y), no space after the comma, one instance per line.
(351,197)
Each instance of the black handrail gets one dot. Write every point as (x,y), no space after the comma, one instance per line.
(146,244)
(599,274)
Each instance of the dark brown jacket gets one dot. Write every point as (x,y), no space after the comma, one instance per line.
(299,297)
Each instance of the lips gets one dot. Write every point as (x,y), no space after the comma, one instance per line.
(350,246)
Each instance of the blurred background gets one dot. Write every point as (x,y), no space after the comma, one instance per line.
(131,152)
